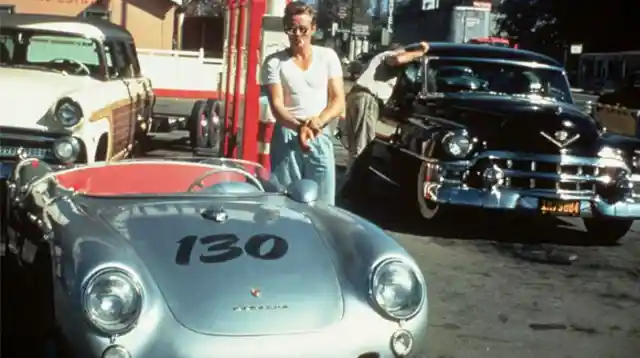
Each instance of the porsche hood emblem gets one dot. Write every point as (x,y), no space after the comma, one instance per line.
(560,138)
(255,292)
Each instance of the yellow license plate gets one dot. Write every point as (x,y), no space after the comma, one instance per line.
(559,207)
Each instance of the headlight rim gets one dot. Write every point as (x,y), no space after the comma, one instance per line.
(68,101)
(135,283)
(419,278)
(75,143)
(447,138)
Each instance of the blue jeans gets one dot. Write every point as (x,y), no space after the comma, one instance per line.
(289,163)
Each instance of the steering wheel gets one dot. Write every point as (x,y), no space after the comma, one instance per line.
(198,182)
(80,65)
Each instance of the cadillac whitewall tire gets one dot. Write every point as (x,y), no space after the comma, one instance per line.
(606,231)
(429,209)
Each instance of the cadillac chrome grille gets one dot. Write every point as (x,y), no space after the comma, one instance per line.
(545,175)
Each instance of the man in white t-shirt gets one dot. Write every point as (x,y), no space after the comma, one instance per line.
(306,92)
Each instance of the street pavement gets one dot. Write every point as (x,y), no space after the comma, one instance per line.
(492,294)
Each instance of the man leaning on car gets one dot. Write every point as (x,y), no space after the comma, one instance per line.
(370,92)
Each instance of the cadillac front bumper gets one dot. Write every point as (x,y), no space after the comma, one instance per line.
(545,184)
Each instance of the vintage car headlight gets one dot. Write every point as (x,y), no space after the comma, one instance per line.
(66,149)
(68,112)
(397,289)
(112,301)
(457,144)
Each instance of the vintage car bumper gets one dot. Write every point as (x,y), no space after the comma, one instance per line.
(368,336)
(37,144)
(546,184)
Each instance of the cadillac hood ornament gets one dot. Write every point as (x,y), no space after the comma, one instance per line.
(561,138)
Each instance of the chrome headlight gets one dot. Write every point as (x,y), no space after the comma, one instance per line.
(112,301)
(66,149)
(397,289)
(68,112)
(457,144)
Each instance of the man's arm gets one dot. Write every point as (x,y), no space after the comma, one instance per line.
(406,56)
(335,103)
(271,80)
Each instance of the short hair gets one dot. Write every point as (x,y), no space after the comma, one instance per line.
(298,8)
(395,46)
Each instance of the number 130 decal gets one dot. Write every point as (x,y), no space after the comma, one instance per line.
(224,247)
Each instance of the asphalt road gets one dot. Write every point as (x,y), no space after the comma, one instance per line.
(492,294)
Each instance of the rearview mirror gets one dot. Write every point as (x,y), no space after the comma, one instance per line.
(303,191)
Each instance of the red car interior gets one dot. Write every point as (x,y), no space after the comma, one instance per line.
(141,178)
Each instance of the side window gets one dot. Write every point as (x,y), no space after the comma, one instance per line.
(7,48)
(7,9)
(118,64)
(97,13)
(132,58)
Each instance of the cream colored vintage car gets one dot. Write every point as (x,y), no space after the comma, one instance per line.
(71,90)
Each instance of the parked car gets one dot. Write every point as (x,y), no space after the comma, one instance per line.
(619,110)
(72,91)
(517,143)
(213,258)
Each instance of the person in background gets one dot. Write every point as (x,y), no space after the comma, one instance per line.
(306,92)
(370,93)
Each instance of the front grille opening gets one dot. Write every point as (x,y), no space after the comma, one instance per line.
(527,174)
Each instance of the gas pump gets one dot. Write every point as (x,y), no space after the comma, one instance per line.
(240,107)
(245,120)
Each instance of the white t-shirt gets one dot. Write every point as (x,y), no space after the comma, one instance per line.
(378,77)
(305,92)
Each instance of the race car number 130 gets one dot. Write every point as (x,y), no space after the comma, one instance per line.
(224,247)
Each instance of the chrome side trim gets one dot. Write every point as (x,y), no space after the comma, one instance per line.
(502,61)
(555,159)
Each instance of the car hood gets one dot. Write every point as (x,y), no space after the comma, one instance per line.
(28,95)
(244,294)
(520,123)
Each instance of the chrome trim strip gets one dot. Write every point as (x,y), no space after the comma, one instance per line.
(501,61)
(562,178)
(554,159)
(26,137)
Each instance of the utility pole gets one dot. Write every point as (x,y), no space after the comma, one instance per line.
(352,13)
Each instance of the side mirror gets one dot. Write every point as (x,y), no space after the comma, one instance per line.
(303,191)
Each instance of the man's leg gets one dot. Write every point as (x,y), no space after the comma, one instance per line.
(362,115)
(285,168)
(320,166)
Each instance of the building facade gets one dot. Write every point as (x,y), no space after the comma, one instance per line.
(153,23)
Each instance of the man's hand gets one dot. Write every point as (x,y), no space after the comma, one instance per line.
(305,134)
(315,123)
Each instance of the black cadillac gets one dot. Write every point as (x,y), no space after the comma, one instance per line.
(497,128)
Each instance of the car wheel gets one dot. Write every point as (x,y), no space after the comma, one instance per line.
(607,231)
(197,131)
(101,149)
(429,209)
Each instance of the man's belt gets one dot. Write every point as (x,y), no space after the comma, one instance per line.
(362,89)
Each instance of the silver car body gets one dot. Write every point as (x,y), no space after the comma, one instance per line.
(314,301)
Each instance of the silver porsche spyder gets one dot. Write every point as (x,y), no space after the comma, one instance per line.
(198,258)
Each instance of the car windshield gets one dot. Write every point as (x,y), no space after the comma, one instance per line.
(448,75)
(198,176)
(48,51)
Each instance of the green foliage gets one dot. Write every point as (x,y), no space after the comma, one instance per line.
(553,24)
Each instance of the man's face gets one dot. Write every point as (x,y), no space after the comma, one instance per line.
(300,30)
